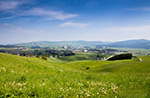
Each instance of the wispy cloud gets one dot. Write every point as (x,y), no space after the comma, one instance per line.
(43,14)
(91,3)
(7,24)
(72,24)
(138,9)
(14,8)
(25,31)
(9,5)
(47,14)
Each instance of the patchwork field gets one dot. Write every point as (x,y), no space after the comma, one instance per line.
(53,78)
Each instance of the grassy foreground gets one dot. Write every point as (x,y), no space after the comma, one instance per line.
(34,77)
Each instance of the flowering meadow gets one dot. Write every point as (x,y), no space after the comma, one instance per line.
(34,77)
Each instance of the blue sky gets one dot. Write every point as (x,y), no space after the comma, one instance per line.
(65,20)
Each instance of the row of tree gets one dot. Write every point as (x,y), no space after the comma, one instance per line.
(40,52)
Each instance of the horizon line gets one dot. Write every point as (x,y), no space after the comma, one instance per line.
(73,40)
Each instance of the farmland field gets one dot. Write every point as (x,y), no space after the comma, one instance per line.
(54,78)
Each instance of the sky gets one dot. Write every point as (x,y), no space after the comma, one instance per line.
(70,20)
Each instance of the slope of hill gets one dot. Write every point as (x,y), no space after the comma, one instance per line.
(34,77)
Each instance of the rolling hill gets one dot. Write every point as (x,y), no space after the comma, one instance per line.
(35,77)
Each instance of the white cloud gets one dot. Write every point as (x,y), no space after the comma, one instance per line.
(14,7)
(71,24)
(9,5)
(44,14)
(138,9)
(47,14)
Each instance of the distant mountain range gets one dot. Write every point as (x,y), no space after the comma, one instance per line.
(61,43)
(140,43)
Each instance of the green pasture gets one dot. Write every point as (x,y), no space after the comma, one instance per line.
(53,78)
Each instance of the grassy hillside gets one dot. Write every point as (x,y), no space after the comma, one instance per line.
(34,77)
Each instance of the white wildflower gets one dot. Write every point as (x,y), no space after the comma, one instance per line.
(43,84)
(88,95)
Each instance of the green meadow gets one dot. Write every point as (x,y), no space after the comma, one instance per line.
(69,77)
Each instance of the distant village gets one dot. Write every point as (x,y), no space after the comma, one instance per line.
(36,51)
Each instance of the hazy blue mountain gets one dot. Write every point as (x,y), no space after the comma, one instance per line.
(140,43)
(61,43)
